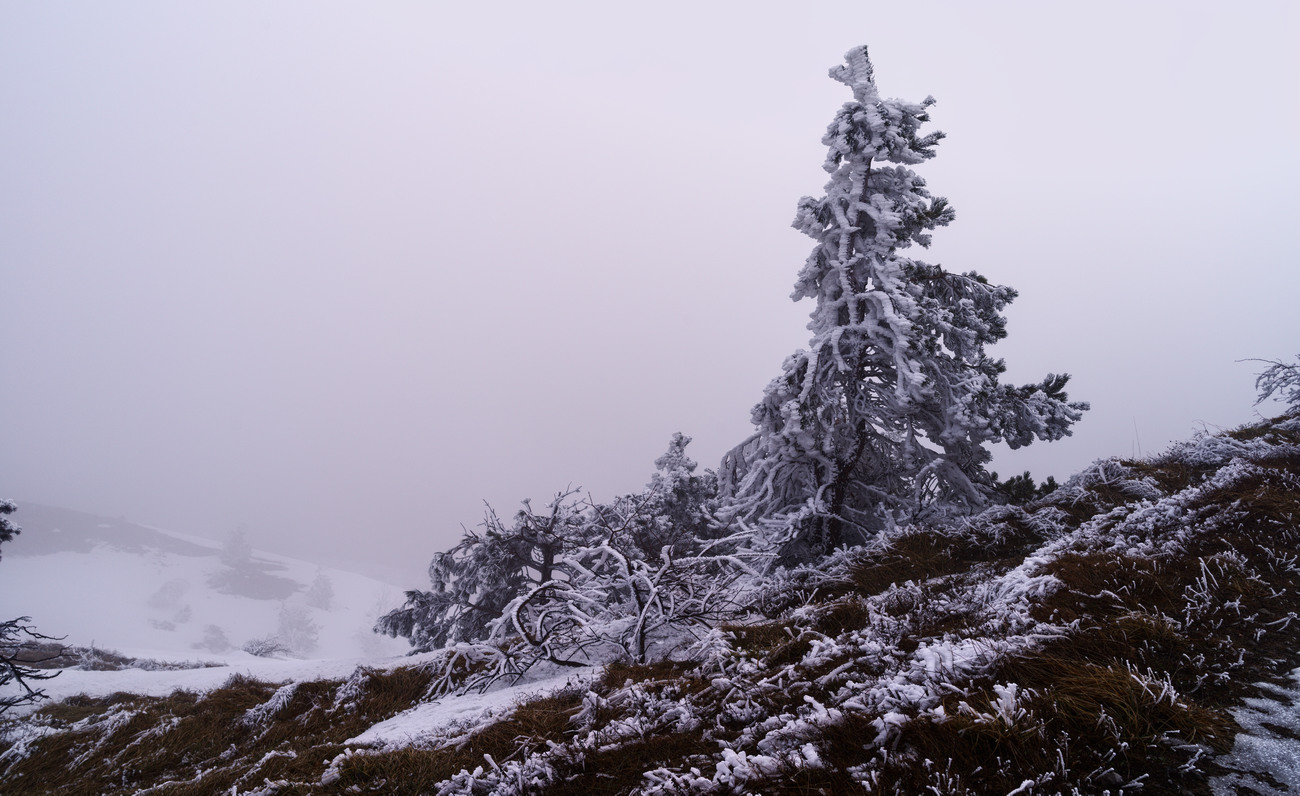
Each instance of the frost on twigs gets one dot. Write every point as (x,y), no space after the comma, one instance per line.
(22,655)
(464,667)
(22,649)
(271,646)
(884,418)
(579,582)
(1280,379)
(1091,638)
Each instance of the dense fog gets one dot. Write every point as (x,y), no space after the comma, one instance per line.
(339,273)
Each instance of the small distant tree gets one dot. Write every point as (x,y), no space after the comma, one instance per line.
(297,630)
(674,509)
(321,592)
(885,417)
(8,530)
(1021,489)
(1281,379)
(236,552)
(17,638)
(246,576)
(169,594)
(266,646)
(214,640)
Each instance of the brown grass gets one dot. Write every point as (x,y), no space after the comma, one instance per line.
(843,615)
(1269,430)
(1171,474)
(1080,719)
(416,771)
(620,672)
(179,737)
(760,638)
(915,556)
(390,692)
(1071,691)
(75,708)
(1100,585)
(403,772)
(615,771)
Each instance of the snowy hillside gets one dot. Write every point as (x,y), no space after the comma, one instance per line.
(157,594)
(1133,631)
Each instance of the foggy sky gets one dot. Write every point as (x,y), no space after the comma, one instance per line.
(342,271)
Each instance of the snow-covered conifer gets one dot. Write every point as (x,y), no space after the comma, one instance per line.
(671,511)
(236,552)
(608,602)
(885,416)
(297,629)
(474,581)
(8,530)
(582,581)
(321,592)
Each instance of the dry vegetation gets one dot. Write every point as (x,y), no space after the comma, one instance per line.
(1094,640)
(53,655)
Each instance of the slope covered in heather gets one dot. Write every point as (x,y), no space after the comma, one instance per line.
(1134,630)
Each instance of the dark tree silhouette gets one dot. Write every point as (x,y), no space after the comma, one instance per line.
(20,652)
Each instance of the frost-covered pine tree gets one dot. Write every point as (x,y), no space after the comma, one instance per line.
(473,582)
(671,511)
(885,416)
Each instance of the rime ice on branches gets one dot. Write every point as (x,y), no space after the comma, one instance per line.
(885,416)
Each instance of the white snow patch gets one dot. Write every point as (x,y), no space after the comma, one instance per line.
(71,682)
(453,716)
(1262,750)
(159,604)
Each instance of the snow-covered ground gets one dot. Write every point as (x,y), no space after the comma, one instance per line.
(462,713)
(150,593)
(71,682)
(437,718)
(1269,744)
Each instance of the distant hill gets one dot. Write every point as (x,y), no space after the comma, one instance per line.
(144,591)
(48,529)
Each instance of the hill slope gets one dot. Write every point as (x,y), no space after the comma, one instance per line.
(158,594)
(1136,630)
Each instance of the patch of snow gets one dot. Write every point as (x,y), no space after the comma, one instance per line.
(432,722)
(72,682)
(1268,748)
(160,604)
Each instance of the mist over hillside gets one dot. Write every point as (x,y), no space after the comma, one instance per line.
(114,584)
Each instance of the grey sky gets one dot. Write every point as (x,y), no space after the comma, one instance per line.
(341,271)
